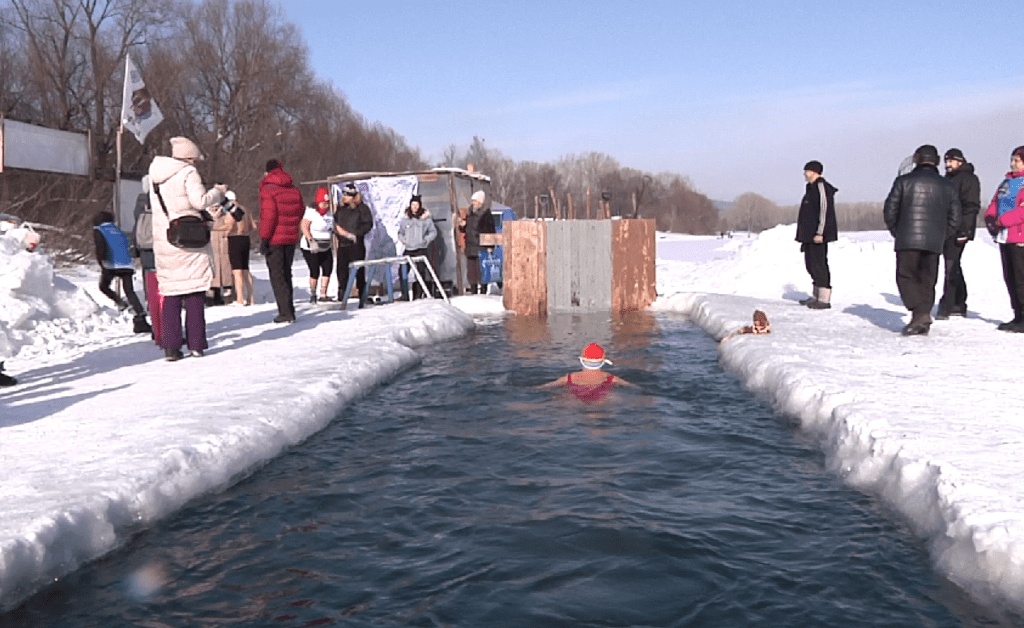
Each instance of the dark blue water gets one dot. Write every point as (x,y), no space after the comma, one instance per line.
(460,495)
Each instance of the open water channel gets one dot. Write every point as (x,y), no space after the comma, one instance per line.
(461,495)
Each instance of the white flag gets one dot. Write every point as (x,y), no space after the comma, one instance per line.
(139,112)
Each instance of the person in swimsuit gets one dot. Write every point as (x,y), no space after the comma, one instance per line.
(590,385)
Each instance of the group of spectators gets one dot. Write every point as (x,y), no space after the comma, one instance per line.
(929,215)
(179,276)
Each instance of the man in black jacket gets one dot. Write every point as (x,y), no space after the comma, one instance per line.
(921,211)
(815,228)
(352,220)
(968,190)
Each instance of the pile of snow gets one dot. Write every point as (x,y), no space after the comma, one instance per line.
(36,307)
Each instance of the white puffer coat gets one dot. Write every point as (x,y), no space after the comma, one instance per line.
(180,271)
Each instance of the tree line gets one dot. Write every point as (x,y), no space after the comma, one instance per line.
(755,213)
(235,76)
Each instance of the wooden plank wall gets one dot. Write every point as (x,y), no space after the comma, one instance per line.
(525,267)
(582,265)
(634,285)
(579,265)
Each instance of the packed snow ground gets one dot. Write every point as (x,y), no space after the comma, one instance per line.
(101,436)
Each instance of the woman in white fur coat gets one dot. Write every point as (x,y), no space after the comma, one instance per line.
(184,274)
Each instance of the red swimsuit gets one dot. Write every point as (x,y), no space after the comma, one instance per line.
(590,394)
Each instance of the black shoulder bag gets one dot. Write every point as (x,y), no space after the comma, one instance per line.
(185,232)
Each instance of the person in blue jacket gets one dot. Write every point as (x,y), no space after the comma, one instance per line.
(113,252)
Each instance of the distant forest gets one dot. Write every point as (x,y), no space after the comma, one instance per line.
(62,66)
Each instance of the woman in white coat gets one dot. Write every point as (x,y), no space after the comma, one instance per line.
(185,275)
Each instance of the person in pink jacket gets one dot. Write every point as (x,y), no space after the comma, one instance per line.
(1004,219)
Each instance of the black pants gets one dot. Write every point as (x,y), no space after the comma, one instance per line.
(954,288)
(916,274)
(279,264)
(473,273)
(417,290)
(1013,274)
(107,277)
(816,263)
(346,255)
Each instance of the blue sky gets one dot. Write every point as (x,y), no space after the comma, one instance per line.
(735,95)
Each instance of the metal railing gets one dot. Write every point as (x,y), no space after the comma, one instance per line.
(405,262)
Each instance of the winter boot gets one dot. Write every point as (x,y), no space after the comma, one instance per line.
(6,380)
(822,302)
(140,325)
(810,299)
(1018,320)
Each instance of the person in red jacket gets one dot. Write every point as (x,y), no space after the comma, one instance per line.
(281,210)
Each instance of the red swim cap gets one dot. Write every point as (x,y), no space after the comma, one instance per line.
(322,196)
(593,351)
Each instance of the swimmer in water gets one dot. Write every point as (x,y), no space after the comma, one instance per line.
(591,384)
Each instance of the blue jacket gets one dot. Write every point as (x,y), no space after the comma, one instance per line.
(113,250)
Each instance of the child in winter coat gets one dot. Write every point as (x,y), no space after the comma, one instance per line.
(113,252)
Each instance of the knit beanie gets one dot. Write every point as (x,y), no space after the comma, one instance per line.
(814,166)
(955,153)
(184,148)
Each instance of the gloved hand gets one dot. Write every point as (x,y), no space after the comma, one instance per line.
(992,224)
(264,247)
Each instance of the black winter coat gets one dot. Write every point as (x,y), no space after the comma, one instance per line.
(968,189)
(922,210)
(356,220)
(477,222)
(810,221)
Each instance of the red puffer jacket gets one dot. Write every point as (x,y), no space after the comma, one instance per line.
(281,208)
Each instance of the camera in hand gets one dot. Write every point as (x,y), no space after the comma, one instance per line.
(230,207)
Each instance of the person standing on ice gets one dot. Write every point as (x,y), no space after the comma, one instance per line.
(478,220)
(316,227)
(1004,219)
(113,252)
(815,228)
(416,232)
(184,274)
(352,221)
(921,211)
(968,189)
(281,210)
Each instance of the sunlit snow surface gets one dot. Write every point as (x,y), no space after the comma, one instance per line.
(102,436)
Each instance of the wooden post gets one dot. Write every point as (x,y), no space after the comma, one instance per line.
(572,210)
(536,207)
(588,203)
(634,205)
(459,249)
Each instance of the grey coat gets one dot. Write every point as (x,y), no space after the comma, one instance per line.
(417,233)
(922,210)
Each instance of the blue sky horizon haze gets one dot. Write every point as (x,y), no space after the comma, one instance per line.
(735,96)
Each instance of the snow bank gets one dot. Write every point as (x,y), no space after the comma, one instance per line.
(932,425)
(31,298)
(101,443)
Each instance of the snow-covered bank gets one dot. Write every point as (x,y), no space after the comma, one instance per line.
(931,424)
(102,436)
(99,439)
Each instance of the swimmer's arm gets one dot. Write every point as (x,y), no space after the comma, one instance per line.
(622,382)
